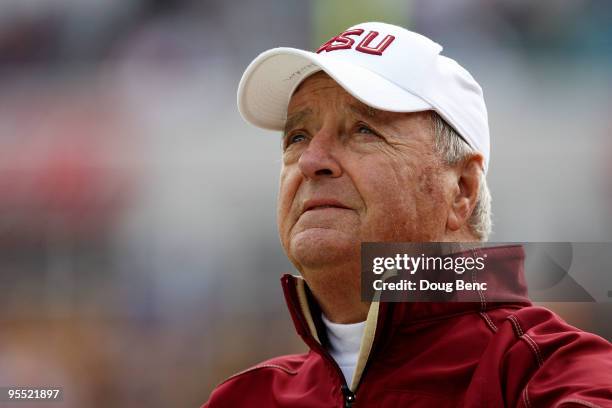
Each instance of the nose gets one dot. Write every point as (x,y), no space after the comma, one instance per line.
(317,161)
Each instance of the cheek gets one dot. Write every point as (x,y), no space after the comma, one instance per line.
(286,195)
(400,198)
(388,186)
(388,192)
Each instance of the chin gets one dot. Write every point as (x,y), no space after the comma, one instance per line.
(318,247)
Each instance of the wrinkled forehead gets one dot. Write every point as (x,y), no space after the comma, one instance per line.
(318,93)
(317,87)
(319,77)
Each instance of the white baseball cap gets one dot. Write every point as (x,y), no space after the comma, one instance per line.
(384,66)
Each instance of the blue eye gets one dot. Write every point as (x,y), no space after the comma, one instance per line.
(298,137)
(364,129)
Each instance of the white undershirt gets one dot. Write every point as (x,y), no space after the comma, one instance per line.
(344,342)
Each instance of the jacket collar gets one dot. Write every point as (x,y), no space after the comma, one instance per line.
(507,281)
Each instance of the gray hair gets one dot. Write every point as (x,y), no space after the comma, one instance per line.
(453,150)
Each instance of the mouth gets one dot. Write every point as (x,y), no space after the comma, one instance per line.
(322,204)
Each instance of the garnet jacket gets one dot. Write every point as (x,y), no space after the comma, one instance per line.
(436,355)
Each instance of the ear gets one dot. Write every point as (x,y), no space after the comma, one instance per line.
(467,176)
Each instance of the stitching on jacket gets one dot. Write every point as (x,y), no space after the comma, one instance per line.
(535,348)
(526,397)
(530,342)
(580,402)
(489,322)
(257,367)
(483,304)
(483,300)
(517,326)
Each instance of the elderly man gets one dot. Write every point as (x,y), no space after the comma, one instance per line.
(386,140)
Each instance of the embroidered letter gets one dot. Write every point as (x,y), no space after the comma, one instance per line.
(364,45)
(343,41)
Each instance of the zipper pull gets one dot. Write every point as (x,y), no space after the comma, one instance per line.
(349,396)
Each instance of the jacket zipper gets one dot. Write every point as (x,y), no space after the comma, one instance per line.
(349,396)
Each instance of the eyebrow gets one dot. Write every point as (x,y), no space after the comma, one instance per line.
(363,110)
(299,116)
(295,118)
(359,109)
(373,113)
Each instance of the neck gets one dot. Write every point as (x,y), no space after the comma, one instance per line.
(337,287)
(338,292)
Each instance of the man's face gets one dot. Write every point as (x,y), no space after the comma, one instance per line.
(353,174)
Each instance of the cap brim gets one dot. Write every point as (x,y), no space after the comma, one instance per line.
(269,81)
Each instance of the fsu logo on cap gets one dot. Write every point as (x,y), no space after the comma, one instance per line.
(345,41)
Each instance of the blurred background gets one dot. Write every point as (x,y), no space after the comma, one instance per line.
(139,260)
